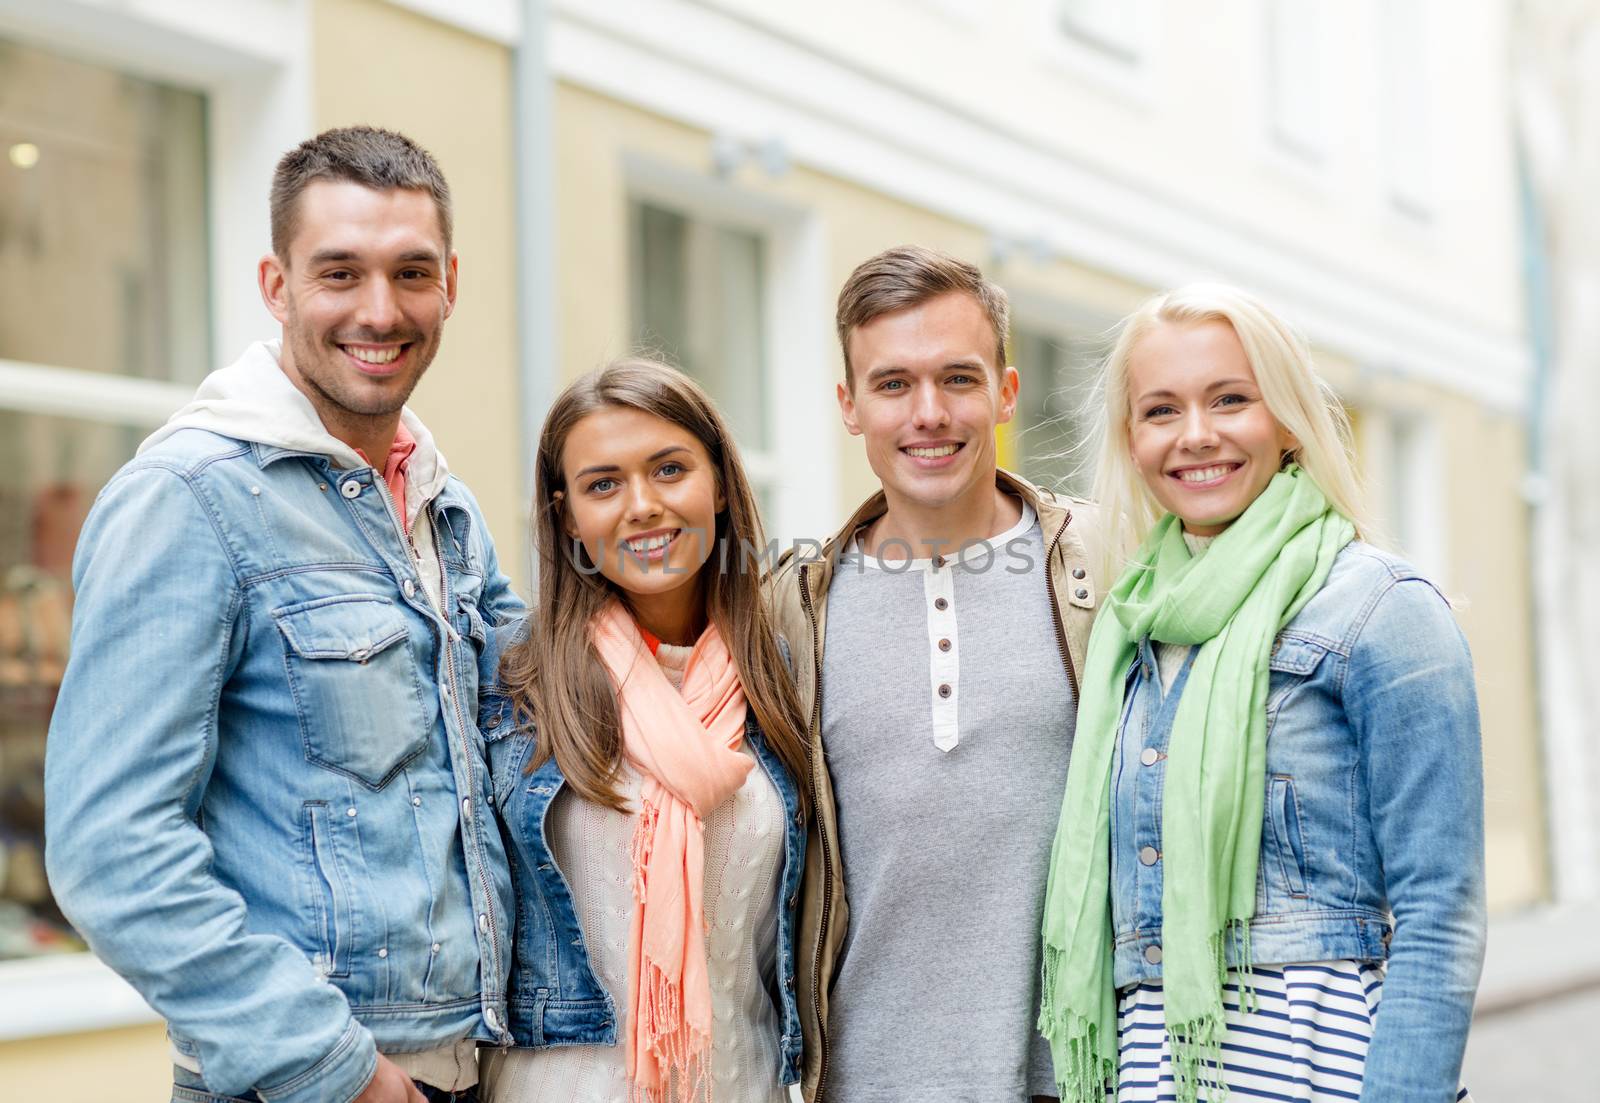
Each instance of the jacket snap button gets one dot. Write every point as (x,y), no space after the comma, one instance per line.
(351,489)
(494,722)
(409,587)
(792,901)
(1152,954)
(1149,856)
(1079,572)
(1082,594)
(1149,756)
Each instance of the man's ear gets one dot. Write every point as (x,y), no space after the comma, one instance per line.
(451,275)
(272,277)
(1010,388)
(847,409)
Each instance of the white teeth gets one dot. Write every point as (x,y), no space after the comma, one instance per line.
(933,453)
(651,543)
(373,356)
(1205,474)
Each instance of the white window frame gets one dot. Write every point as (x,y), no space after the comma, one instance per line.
(1405,57)
(801,465)
(1123,68)
(1406,465)
(250,60)
(1308,148)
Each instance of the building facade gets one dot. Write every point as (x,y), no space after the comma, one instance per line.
(708,172)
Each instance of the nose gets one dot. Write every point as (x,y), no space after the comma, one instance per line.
(378,309)
(1198,434)
(928,409)
(642,503)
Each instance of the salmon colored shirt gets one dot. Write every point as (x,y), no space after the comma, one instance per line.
(395,468)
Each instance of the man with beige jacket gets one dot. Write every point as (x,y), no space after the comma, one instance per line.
(955,607)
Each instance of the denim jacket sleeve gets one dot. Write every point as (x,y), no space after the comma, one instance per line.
(156,634)
(1410,698)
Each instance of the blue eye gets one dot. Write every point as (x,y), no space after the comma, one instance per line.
(1159,411)
(601,486)
(1232,399)
(668,470)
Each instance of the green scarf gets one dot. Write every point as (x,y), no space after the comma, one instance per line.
(1231,602)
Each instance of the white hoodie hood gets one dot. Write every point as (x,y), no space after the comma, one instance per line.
(253,400)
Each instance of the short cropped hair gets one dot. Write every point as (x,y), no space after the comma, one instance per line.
(910,275)
(366,155)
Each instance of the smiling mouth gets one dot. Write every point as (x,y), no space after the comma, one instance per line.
(1204,476)
(375,357)
(932,451)
(651,547)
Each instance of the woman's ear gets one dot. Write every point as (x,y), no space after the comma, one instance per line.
(558,502)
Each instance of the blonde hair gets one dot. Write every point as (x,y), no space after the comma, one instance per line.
(1291,388)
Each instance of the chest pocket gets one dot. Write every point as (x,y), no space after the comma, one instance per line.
(1293,660)
(355,683)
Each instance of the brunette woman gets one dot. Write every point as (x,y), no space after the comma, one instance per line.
(649,737)
(1274,813)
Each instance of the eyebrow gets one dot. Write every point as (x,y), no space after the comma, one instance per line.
(1217,386)
(602,468)
(413,256)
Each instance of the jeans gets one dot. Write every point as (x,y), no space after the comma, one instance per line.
(187,1087)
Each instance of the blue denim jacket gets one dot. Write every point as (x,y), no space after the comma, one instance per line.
(555,997)
(267,795)
(1372,837)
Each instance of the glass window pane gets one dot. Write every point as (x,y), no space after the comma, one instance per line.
(1053,421)
(698,300)
(103,247)
(50,470)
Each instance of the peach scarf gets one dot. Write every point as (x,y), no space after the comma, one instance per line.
(686,745)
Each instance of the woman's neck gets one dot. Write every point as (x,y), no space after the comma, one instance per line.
(675,617)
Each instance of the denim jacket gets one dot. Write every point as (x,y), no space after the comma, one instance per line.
(267,795)
(555,998)
(1372,836)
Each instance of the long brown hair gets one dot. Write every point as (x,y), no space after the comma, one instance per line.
(555,675)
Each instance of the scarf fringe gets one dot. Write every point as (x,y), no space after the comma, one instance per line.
(1083,1065)
(681,1051)
(1197,1045)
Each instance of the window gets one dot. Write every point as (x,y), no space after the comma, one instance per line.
(698,299)
(104,327)
(1113,27)
(1405,473)
(1054,422)
(1406,138)
(1294,89)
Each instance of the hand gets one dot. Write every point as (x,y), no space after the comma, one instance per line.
(389,1085)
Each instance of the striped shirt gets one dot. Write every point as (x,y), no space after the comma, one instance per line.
(1305,1041)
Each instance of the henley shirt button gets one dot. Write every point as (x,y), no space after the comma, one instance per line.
(940,604)
(1152,954)
(1149,756)
(1149,855)
(944,645)
(409,588)
(940,561)
(351,489)
(1079,573)
(944,690)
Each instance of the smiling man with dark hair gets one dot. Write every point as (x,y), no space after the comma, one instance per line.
(267,800)
(936,640)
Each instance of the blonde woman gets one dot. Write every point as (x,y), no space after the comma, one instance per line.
(1268,872)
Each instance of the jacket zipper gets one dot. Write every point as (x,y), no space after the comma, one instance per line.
(827,854)
(451,636)
(1055,605)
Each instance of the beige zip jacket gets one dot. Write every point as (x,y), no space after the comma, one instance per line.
(798,591)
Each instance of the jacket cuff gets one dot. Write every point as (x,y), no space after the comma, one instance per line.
(338,1078)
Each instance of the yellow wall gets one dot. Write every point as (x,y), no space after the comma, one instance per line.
(105,1067)
(451,91)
